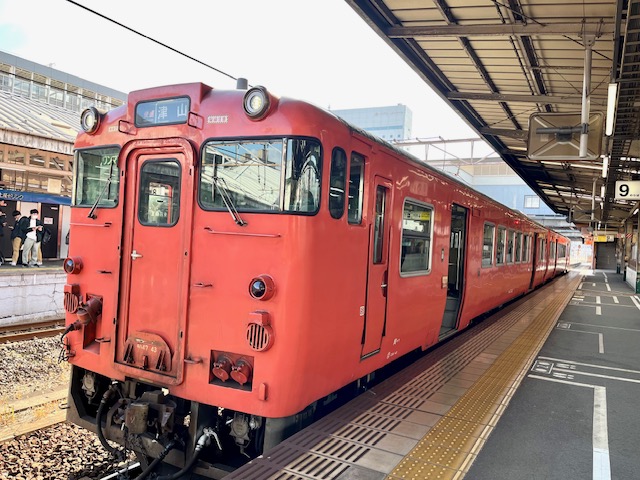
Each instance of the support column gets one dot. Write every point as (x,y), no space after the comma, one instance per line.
(628,239)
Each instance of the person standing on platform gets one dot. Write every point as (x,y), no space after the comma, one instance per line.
(18,234)
(3,223)
(30,248)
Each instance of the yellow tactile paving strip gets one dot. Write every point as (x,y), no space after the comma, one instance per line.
(451,445)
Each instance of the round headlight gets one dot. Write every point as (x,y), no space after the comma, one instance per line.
(262,287)
(90,120)
(256,103)
(72,265)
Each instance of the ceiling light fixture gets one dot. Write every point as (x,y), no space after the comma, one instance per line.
(611,108)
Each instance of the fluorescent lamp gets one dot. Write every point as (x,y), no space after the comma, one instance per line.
(605,166)
(635,211)
(611,108)
(603,190)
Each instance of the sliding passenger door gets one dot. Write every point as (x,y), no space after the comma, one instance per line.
(455,277)
(378,266)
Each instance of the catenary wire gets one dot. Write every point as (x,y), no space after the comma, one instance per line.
(175,50)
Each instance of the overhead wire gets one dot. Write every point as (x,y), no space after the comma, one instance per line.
(175,50)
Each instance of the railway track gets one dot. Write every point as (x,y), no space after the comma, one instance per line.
(18,333)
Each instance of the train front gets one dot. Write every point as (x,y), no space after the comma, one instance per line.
(190,212)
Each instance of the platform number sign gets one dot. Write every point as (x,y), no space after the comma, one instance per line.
(628,190)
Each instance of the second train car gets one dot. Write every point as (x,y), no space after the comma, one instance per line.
(238,258)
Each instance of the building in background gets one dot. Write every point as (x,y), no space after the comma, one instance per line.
(389,123)
(39,119)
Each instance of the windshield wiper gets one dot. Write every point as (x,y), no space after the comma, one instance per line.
(228,202)
(95,205)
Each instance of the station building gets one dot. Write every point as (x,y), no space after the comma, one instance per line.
(39,118)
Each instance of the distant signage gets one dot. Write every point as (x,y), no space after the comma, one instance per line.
(628,190)
(170,111)
(604,238)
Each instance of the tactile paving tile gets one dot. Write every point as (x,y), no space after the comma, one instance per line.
(453,442)
(360,439)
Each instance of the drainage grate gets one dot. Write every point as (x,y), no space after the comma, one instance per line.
(317,467)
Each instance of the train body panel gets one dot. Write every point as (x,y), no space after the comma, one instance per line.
(259,265)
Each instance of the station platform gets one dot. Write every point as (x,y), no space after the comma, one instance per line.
(31,294)
(543,389)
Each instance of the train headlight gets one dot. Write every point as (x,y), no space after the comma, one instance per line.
(262,287)
(72,265)
(256,103)
(90,120)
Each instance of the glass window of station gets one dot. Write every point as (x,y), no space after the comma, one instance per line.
(261,175)
(97,177)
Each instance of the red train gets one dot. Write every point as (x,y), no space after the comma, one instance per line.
(239,260)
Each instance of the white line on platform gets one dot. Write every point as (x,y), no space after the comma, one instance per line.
(601,463)
(616,369)
(636,302)
(598,310)
(600,436)
(600,336)
(615,299)
(608,287)
(605,277)
(605,326)
(597,375)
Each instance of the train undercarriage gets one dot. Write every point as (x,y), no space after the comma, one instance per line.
(172,436)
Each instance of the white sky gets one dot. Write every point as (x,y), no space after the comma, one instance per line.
(320,51)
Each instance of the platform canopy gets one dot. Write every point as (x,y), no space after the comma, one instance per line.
(498,62)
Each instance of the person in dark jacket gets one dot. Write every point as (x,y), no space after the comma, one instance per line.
(30,247)
(18,234)
(3,223)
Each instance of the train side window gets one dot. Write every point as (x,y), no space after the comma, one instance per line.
(378,229)
(518,247)
(510,241)
(356,188)
(541,244)
(552,253)
(488,240)
(562,250)
(415,254)
(500,245)
(337,181)
(159,194)
(526,248)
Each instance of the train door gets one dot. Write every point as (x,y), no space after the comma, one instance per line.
(378,267)
(155,263)
(455,277)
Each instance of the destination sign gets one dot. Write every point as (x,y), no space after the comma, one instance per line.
(163,112)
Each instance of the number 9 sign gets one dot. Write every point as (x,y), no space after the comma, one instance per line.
(627,190)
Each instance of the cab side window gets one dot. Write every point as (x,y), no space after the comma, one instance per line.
(356,188)
(337,183)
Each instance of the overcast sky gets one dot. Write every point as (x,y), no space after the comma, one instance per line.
(320,51)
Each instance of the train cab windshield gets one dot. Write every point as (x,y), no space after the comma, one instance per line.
(97,177)
(265,175)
